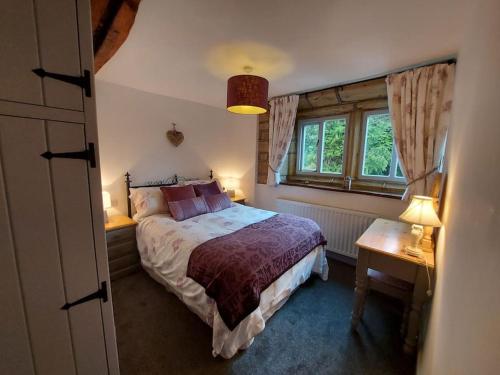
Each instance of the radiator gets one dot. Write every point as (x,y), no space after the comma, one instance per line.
(340,227)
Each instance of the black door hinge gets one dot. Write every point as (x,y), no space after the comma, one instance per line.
(88,154)
(81,81)
(102,294)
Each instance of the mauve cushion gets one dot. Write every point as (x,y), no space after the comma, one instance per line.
(218,202)
(177,193)
(186,208)
(207,189)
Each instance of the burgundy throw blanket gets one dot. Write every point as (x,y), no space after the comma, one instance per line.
(235,269)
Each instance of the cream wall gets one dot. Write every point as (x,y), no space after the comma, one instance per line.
(385,207)
(132,126)
(464,331)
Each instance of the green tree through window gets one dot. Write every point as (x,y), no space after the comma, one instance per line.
(333,145)
(310,147)
(323,145)
(378,145)
(399,172)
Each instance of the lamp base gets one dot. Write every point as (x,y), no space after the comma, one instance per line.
(106,219)
(414,251)
(417,232)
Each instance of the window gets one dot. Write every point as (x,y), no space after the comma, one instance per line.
(380,159)
(322,146)
(322,149)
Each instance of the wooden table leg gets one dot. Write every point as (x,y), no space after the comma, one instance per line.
(419,296)
(404,322)
(361,286)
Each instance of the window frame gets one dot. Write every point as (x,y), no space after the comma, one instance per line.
(319,152)
(394,157)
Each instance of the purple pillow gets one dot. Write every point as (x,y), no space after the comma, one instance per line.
(207,189)
(218,202)
(177,193)
(186,208)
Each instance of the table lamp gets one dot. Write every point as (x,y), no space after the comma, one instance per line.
(419,213)
(106,203)
(231,184)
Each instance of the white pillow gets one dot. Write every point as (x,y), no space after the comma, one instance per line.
(148,201)
(193,182)
(200,182)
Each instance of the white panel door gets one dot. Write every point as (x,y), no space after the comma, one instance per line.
(19,53)
(15,348)
(50,255)
(39,34)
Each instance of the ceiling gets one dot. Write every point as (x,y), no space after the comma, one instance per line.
(188,48)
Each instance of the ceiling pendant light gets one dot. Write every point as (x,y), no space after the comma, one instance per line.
(247,94)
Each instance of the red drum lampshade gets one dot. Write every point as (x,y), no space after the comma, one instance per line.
(247,94)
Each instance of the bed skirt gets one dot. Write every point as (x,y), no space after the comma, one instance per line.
(225,342)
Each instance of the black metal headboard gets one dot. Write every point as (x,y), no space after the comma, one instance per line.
(167,182)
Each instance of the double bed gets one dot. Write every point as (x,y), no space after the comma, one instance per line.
(169,249)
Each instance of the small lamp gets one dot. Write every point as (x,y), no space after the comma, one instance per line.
(231,184)
(106,203)
(420,213)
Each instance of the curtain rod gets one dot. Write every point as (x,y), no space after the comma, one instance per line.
(448,60)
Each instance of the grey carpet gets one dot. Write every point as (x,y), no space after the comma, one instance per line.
(311,334)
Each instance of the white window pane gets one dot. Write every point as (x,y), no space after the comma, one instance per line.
(310,138)
(333,145)
(378,145)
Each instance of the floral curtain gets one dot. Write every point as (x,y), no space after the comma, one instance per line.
(420,106)
(111,23)
(281,124)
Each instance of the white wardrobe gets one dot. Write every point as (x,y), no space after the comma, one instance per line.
(56,314)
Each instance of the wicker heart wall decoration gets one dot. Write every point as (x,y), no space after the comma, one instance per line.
(175,137)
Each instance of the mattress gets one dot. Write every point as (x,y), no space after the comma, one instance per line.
(165,247)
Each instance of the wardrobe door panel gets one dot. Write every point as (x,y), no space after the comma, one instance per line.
(51,231)
(14,335)
(19,53)
(51,221)
(76,240)
(40,34)
(57,26)
(34,233)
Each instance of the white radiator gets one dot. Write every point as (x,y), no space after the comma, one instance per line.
(340,227)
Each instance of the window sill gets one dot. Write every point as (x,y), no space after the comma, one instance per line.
(342,190)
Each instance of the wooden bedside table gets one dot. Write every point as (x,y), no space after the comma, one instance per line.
(238,199)
(123,256)
(381,249)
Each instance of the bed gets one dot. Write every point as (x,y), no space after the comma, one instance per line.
(167,248)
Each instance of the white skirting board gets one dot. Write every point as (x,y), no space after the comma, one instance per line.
(341,227)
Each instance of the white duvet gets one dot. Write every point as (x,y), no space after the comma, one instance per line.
(166,245)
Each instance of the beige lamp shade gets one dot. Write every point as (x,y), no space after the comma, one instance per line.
(421,212)
(231,183)
(106,200)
